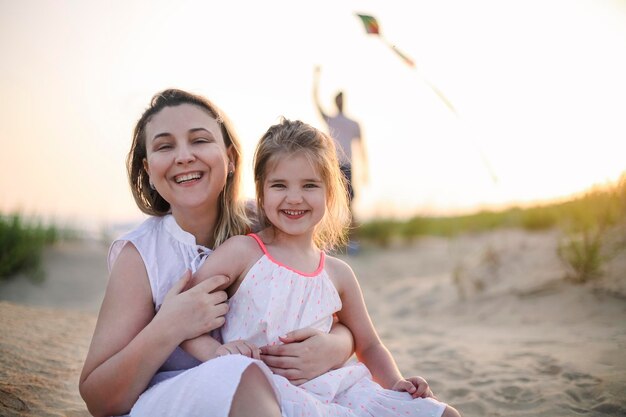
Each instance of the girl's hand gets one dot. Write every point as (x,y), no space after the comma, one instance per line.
(305,354)
(197,310)
(239,347)
(416,386)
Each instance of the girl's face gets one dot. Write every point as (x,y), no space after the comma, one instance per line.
(187,159)
(294,195)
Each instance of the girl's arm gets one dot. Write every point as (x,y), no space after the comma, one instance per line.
(130,342)
(232,260)
(368,346)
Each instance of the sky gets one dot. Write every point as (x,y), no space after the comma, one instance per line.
(538,88)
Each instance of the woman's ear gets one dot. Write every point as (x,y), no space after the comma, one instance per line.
(230,153)
(146,167)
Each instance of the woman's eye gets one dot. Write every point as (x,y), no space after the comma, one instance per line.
(201,140)
(163,147)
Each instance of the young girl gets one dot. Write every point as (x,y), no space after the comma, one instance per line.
(281,279)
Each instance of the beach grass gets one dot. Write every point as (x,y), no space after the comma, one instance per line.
(586,222)
(600,207)
(21,245)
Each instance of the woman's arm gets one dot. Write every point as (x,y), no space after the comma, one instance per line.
(130,342)
(368,346)
(308,353)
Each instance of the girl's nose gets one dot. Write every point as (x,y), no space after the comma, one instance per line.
(184,155)
(294,197)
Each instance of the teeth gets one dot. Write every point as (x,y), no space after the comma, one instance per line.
(294,212)
(187,177)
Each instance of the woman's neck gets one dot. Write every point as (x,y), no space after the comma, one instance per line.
(200,223)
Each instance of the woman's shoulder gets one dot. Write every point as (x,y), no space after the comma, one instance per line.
(146,227)
(143,232)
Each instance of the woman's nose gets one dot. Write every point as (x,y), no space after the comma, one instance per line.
(184,155)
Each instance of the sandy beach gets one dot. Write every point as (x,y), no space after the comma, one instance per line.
(487,318)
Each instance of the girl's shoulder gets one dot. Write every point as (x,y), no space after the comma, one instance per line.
(245,243)
(338,269)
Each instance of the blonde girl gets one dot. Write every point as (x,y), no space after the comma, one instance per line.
(281,279)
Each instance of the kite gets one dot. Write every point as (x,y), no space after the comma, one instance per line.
(373,28)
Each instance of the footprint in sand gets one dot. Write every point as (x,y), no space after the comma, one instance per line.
(11,402)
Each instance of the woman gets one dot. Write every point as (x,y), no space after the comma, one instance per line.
(184,170)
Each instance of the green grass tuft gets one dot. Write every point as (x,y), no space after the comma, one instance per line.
(21,246)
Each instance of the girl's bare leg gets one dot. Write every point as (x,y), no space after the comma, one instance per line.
(254,396)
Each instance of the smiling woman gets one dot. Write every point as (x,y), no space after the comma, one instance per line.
(188,166)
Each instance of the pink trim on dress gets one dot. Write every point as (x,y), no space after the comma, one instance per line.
(319,269)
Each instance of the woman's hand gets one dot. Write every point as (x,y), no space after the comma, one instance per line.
(306,354)
(196,310)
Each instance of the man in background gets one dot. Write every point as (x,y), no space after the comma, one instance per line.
(346,132)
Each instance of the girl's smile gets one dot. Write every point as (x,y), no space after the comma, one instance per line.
(294,195)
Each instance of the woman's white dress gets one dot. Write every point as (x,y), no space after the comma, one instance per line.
(183,387)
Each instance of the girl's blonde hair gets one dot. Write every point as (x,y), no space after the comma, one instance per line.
(288,138)
(232,219)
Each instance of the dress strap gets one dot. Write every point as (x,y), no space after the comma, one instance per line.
(318,271)
(259,241)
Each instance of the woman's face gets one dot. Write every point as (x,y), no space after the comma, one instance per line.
(187,159)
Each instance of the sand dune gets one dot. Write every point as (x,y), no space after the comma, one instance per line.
(487,319)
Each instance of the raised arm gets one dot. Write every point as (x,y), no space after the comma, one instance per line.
(316,79)
(368,346)
(130,342)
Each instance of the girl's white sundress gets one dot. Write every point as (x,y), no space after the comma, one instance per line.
(183,387)
(274,299)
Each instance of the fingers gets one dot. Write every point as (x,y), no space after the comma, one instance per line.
(404,385)
(255,352)
(293,375)
(211,284)
(181,284)
(239,347)
(280,362)
(421,387)
(299,335)
(278,351)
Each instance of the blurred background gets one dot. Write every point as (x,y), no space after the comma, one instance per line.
(538,87)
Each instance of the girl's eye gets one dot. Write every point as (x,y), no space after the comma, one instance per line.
(311,185)
(279,186)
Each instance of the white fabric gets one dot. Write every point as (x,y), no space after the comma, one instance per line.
(344,131)
(273,300)
(167,251)
(204,391)
(183,387)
